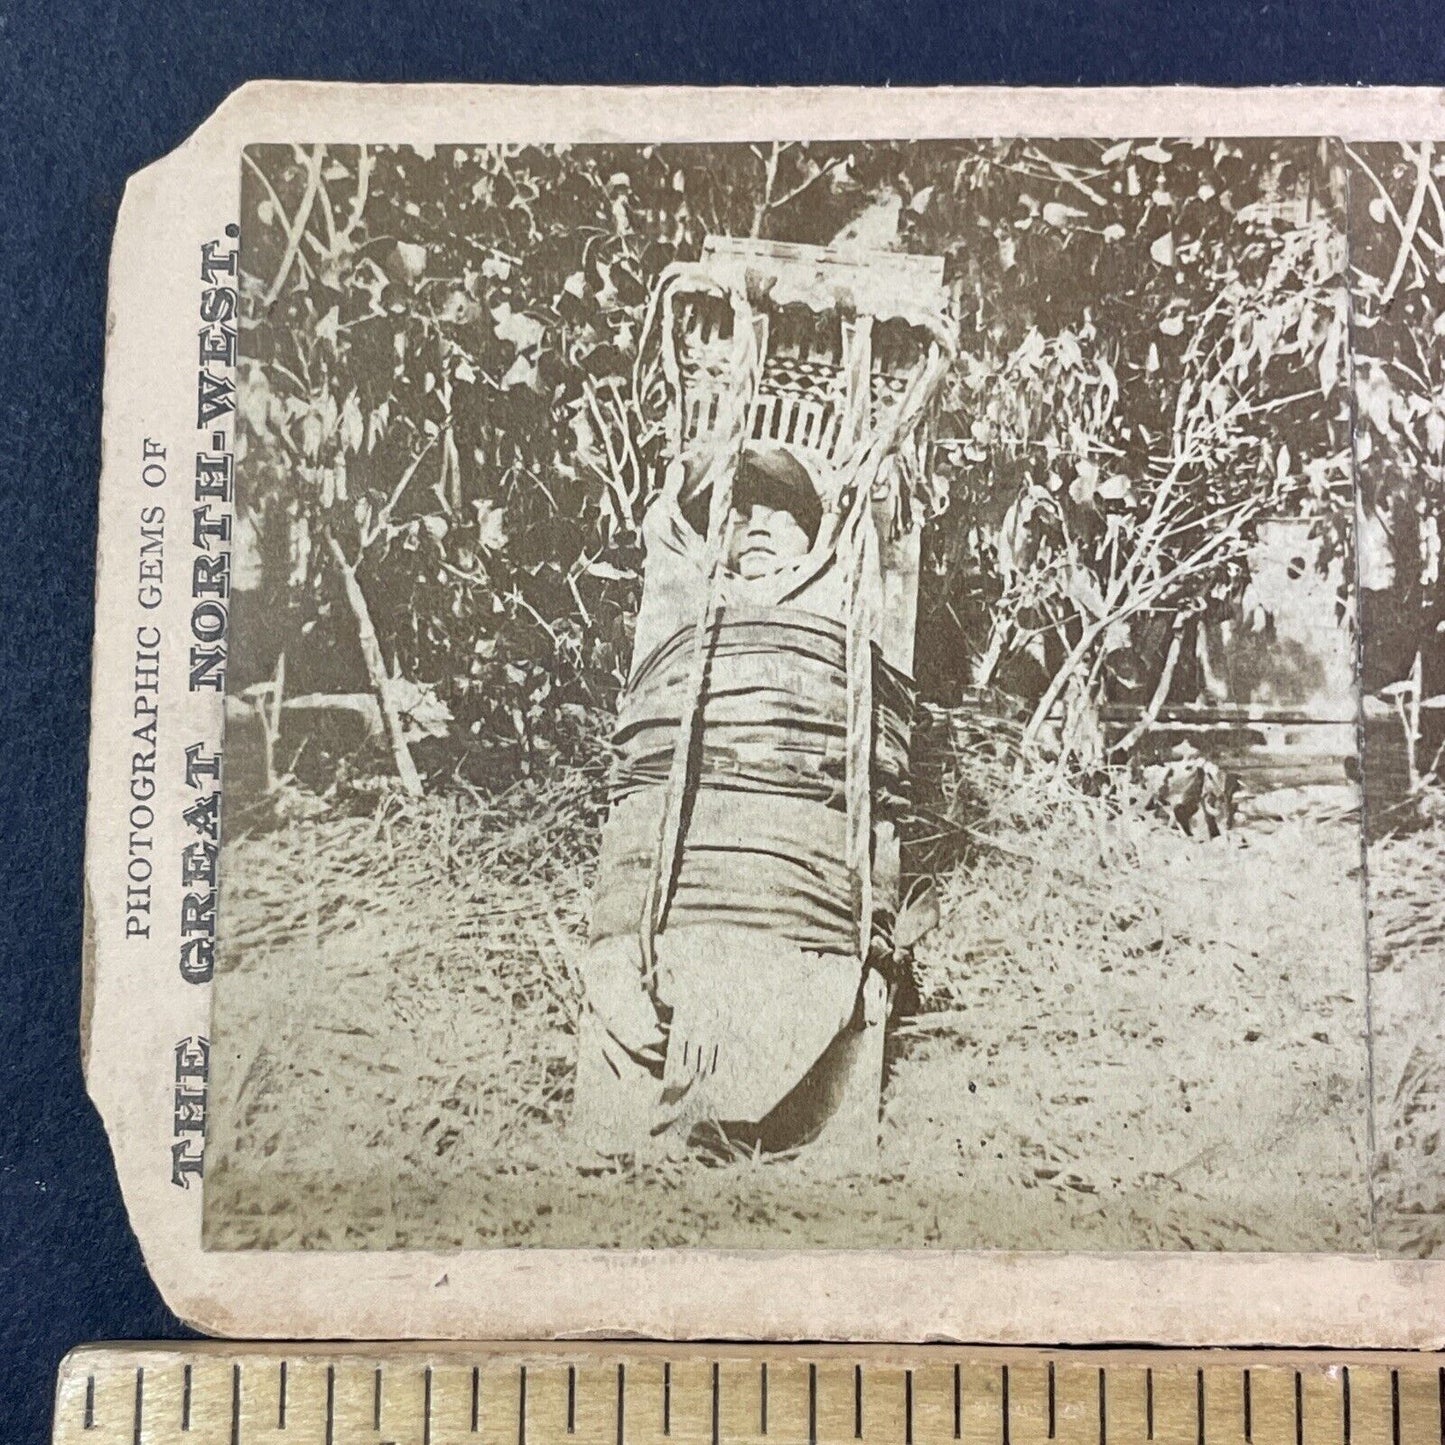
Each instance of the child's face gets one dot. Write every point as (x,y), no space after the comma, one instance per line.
(763,539)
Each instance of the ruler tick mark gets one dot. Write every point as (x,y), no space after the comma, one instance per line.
(1211,1405)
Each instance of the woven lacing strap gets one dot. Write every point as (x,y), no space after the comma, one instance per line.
(747,367)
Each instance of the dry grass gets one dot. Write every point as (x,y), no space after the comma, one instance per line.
(1161,1039)
(1128,1038)
(424,955)
(1407,991)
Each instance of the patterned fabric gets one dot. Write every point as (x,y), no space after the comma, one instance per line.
(773,717)
(765,862)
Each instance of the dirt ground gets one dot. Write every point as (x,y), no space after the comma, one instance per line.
(1127,1039)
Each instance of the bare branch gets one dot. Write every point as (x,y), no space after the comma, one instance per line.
(1390,210)
(383,518)
(770,179)
(280,211)
(1411,225)
(1069,178)
(298,229)
(1126,744)
(613,473)
(823,170)
(364,163)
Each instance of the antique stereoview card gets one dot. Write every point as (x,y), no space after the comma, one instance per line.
(778,713)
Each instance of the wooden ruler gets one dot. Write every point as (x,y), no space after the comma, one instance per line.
(229,1394)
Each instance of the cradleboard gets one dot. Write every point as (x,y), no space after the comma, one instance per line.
(763,746)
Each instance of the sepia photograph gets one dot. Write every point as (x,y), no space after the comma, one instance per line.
(865,695)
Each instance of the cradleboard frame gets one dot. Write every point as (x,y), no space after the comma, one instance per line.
(799,404)
(833,361)
(157,734)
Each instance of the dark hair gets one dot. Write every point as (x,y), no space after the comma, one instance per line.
(775,478)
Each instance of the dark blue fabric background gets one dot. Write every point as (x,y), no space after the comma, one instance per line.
(89,94)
